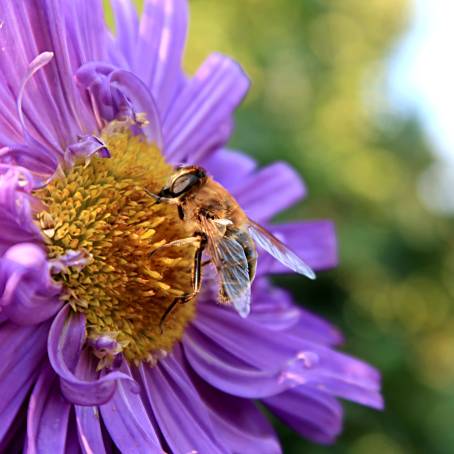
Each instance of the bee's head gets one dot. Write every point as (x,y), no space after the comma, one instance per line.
(182,181)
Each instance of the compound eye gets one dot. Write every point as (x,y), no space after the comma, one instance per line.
(184,183)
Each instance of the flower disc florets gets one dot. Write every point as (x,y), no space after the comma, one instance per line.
(100,207)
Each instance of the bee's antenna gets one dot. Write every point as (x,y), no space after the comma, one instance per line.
(152,195)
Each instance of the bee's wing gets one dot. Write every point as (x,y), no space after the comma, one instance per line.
(231,264)
(279,250)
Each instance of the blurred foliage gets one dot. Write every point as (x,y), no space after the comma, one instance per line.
(318,101)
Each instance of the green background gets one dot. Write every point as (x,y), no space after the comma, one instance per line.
(318,101)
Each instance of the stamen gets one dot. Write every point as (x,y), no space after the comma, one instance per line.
(103,213)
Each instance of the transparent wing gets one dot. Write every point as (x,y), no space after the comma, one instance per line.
(279,250)
(231,264)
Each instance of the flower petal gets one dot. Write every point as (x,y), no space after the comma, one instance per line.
(159,51)
(66,338)
(200,118)
(314,241)
(313,414)
(41,163)
(120,95)
(21,355)
(88,418)
(48,415)
(291,358)
(127,27)
(128,423)
(227,373)
(269,191)
(273,308)
(28,295)
(16,222)
(238,424)
(176,403)
(54,110)
(142,102)
(230,168)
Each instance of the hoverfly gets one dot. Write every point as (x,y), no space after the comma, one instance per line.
(221,227)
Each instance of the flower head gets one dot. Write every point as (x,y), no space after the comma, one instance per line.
(89,122)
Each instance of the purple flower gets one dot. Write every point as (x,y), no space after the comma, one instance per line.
(86,120)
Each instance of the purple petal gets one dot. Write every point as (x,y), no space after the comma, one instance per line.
(226,372)
(21,356)
(128,423)
(66,338)
(88,418)
(15,441)
(48,415)
(28,295)
(238,424)
(269,191)
(86,147)
(126,26)
(201,115)
(72,438)
(274,309)
(314,241)
(41,163)
(54,111)
(312,414)
(142,101)
(119,94)
(229,168)
(159,50)
(294,360)
(16,222)
(176,403)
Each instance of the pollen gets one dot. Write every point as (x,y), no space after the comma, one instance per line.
(100,207)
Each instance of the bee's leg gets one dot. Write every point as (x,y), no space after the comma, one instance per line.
(206,262)
(196,279)
(197,270)
(176,243)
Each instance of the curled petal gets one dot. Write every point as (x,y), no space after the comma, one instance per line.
(28,294)
(94,77)
(40,162)
(71,259)
(88,418)
(66,339)
(35,65)
(85,148)
(142,103)
(16,222)
(119,94)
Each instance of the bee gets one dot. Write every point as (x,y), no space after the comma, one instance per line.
(221,228)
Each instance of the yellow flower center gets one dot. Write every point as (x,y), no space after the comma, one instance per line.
(102,208)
